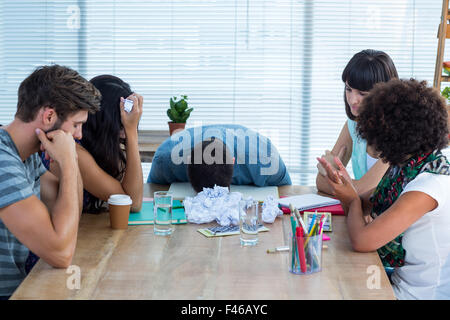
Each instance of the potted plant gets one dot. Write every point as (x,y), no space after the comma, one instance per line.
(446,94)
(178,113)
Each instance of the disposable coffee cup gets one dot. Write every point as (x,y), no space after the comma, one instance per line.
(119,210)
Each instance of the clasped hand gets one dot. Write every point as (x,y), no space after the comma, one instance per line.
(339,180)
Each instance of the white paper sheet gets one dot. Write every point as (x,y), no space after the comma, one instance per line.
(182,190)
(308,201)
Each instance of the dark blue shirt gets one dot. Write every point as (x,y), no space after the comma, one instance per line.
(257,161)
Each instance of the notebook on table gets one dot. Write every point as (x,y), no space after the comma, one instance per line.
(146,215)
(334,210)
(309,201)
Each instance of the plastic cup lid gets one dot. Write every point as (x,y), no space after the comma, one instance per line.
(119,199)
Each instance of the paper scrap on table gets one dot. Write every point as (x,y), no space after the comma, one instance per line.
(220,205)
(223,231)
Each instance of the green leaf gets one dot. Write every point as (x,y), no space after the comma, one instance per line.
(446,92)
(174,115)
(186,114)
(181,106)
(169,114)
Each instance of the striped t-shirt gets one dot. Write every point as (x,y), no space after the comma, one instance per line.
(18,180)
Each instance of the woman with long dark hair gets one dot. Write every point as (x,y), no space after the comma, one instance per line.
(108,153)
(363,71)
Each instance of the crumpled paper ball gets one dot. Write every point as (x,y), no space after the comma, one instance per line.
(270,210)
(221,205)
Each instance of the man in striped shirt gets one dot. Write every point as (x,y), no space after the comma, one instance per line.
(38,210)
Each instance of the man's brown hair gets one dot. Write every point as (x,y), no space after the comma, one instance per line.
(214,169)
(58,87)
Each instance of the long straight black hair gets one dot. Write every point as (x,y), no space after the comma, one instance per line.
(365,69)
(101,132)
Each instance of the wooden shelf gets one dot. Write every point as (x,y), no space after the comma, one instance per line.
(443,33)
(149,141)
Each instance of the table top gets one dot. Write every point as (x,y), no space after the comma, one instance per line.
(136,264)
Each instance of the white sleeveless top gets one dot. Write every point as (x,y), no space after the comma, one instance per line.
(426,273)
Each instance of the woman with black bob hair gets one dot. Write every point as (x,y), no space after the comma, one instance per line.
(363,71)
(406,217)
(108,153)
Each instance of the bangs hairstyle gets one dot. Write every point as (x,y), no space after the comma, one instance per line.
(101,132)
(364,70)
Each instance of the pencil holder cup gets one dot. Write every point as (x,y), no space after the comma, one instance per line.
(305,254)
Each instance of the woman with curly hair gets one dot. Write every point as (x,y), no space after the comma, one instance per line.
(406,218)
(364,69)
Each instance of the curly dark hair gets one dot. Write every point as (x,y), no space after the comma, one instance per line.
(402,119)
(58,87)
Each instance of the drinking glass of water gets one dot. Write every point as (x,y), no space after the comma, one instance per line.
(248,222)
(162,207)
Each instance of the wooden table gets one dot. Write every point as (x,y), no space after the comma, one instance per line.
(136,264)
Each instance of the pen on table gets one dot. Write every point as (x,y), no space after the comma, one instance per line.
(301,252)
(292,210)
(313,228)
(299,218)
(278,249)
(294,243)
(311,224)
(297,222)
(321,224)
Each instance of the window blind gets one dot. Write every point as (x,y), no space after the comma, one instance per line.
(274,66)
